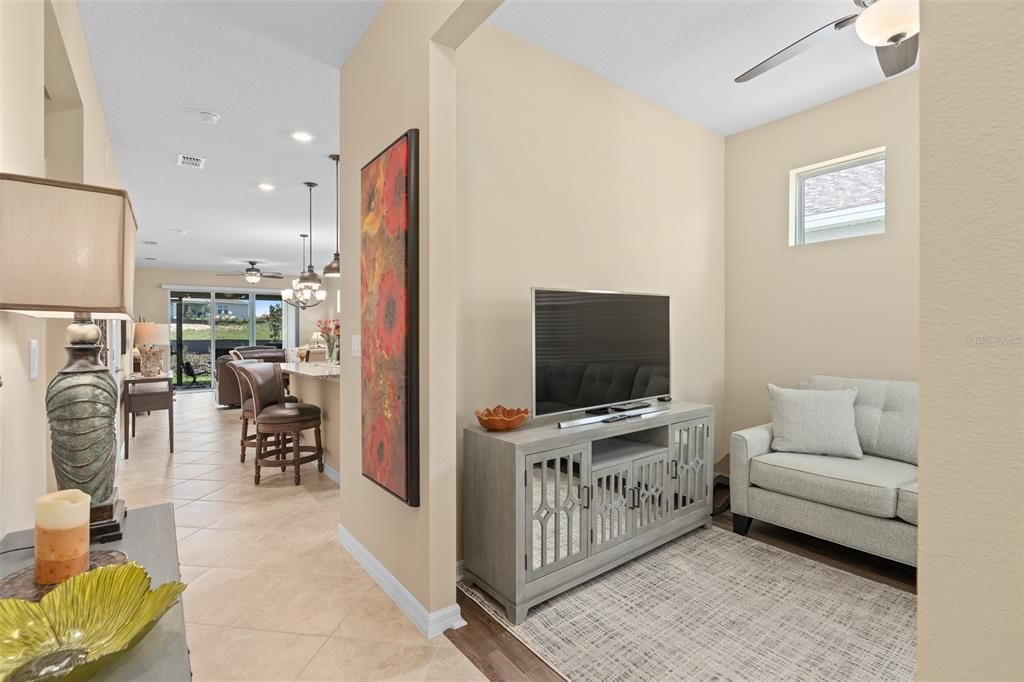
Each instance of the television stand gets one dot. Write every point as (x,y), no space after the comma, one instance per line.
(545,509)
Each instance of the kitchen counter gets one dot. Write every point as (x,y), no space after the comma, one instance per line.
(316,370)
(320,384)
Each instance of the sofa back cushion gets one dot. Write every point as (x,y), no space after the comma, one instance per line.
(650,380)
(606,382)
(886,414)
(561,382)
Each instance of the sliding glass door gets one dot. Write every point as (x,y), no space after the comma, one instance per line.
(191,332)
(207,324)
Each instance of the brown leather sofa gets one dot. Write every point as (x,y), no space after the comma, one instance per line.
(227,380)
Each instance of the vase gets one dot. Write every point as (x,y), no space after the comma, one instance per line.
(81,404)
(332,346)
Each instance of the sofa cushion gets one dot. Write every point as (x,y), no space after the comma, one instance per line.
(886,414)
(869,485)
(606,382)
(650,380)
(562,383)
(814,422)
(906,503)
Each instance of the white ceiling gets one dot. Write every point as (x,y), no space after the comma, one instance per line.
(267,68)
(684,54)
(272,66)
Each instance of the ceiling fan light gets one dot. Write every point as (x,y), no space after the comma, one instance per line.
(888,22)
(253,277)
(333,269)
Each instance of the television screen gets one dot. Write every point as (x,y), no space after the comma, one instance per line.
(596,349)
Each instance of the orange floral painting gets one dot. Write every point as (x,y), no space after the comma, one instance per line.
(388,304)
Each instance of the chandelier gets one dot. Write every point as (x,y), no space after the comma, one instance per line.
(307,289)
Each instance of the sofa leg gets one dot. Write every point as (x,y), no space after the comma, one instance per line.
(740,524)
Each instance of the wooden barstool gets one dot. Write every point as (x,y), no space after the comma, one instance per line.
(279,420)
(248,415)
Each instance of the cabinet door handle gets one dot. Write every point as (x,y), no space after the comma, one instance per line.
(674,468)
(586,497)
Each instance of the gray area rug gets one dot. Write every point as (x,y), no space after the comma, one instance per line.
(713,605)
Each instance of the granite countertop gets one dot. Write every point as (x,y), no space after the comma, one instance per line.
(315,370)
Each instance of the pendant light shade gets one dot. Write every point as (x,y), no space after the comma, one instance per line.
(333,269)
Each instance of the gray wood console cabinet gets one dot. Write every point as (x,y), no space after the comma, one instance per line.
(545,509)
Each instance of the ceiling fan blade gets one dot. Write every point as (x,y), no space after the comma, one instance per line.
(272,275)
(230,274)
(807,42)
(896,59)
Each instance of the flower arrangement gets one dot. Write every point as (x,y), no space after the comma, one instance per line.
(331,331)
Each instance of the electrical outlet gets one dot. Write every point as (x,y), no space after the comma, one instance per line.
(33,359)
(357,345)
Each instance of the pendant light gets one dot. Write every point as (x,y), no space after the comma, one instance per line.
(306,290)
(300,296)
(309,279)
(333,269)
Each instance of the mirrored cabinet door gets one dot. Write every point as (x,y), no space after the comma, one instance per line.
(557,509)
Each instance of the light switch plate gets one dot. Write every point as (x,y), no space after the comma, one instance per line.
(357,345)
(33,359)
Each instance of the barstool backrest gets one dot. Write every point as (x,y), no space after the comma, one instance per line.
(265,383)
(243,385)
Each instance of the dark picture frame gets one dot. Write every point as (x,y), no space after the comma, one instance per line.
(389,303)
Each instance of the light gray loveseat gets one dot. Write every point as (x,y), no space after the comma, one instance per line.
(869,504)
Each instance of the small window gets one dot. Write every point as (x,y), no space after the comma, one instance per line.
(838,199)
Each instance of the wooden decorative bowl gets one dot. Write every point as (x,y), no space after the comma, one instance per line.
(502,418)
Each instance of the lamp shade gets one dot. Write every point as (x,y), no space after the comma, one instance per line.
(886,22)
(151,333)
(65,248)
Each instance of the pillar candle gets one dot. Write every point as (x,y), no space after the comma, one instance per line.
(62,536)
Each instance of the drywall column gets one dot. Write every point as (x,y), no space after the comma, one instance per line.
(971,574)
(402,76)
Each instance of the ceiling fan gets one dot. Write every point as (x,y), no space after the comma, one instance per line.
(890,26)
(252,274)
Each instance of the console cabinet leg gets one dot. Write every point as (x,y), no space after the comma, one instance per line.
(516,614)
(740,524)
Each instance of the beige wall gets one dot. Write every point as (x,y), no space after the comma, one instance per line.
(396,79)
(845,307)
(566,180)
(971,543)
(24,451)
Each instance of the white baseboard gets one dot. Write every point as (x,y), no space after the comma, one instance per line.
(431,624)
(332,473)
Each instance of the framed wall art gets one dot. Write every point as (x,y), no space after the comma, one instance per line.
(389,300)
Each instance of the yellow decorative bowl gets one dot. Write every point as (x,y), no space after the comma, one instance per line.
(81,625)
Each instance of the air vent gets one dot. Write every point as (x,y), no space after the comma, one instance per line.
(189,161)
(149,242)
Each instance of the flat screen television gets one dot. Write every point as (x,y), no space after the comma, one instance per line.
(596,349)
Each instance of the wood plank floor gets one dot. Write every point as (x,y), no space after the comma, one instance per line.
(500,656)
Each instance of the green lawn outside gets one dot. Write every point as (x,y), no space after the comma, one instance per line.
(225,330)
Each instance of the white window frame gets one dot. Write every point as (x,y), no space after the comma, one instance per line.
(797,176)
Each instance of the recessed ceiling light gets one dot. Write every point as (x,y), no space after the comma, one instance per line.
(266,186)
(209,117)
(302,136)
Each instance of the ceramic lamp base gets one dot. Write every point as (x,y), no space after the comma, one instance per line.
(152,363)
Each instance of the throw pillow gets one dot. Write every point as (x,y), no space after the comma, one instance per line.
(814,422)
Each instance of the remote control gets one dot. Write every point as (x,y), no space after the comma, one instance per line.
(616,418)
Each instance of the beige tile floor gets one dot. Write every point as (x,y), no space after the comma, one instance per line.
(271,593)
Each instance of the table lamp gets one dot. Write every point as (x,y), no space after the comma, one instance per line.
(68,250)
(151,339)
